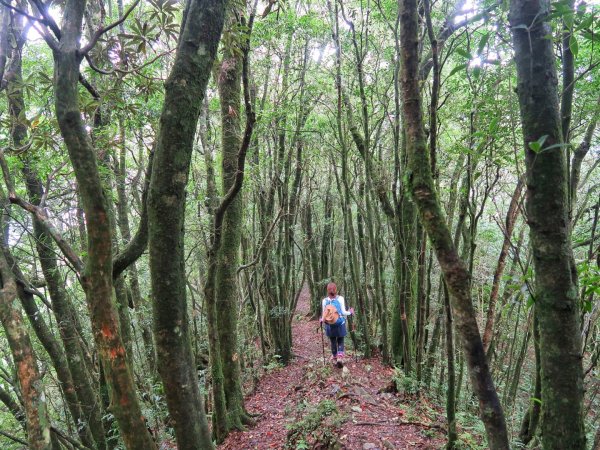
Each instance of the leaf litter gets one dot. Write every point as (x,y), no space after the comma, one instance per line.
(310,404)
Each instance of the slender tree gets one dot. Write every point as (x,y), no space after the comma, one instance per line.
(454,270)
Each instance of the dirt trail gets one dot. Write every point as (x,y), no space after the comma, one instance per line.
(371,419)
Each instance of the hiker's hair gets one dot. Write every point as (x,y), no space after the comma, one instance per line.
(331,288)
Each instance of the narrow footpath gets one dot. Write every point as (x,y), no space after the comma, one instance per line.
(310,404)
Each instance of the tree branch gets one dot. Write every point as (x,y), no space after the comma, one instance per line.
(447,30)
(40,215)
(13,438)
(48,19)
(262,244)
(138,243)
(103,30)
(24,13)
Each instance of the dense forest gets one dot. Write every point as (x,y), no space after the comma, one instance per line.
(178,175)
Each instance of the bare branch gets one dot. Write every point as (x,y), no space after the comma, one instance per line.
(48,19)
(52,43)
(40,215)
(262,244)
(13,438)
(139,242)
(24,13)
(102,30)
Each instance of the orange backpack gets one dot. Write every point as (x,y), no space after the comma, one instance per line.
(330,314)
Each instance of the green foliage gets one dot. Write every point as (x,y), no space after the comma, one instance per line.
(405,384)
(319,425)
(279,311)
(589,280)
(274,364)
(471,431)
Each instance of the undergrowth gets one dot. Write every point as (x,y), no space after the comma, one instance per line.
(318,428)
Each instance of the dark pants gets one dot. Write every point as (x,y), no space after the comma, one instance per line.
(337,345)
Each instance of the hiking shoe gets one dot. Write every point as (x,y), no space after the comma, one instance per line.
(333,360)
(340,357)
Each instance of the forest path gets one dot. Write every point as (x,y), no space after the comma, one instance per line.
(369,418)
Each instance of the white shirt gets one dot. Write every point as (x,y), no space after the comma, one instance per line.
(340,300)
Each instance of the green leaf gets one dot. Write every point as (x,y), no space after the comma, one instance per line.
(457,69)
(536,146)
(464,53)
(568,19)
(483,42)
(530,302)
(586,23)
(573,45)
(594,37)
(557,146)
(536,400)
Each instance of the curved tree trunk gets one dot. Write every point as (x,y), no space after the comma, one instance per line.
(425,197)
(97,276)
(16,106)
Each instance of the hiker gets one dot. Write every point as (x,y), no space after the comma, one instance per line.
(333,313)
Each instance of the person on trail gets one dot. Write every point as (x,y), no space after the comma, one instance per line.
(333,314)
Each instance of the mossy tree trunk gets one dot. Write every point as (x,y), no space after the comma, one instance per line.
(226,292)
(27,373)
(64,363)
(97,276)
(30,383)
(427,202)
(220,288)
(184,91)
(547,203)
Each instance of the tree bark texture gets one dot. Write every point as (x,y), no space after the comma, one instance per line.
(30,383)
(229,83)
(97,276)
(68,362)
(425,197)
(547,203)
(184,91)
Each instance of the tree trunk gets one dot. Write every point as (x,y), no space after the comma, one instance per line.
(184,91)
(425,197)
(451,397)
(30,383)
(97,277)
(123,223)
(532,416)
(511,216)
(226,292)
(16,106)
(556,296)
